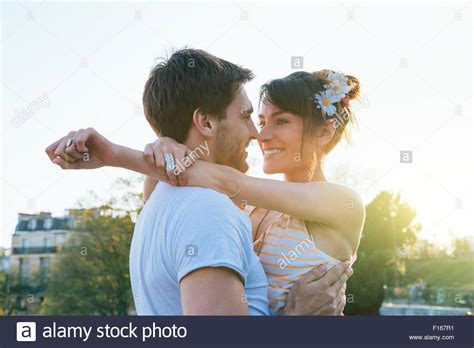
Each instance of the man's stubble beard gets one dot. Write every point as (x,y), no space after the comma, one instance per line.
(228,151)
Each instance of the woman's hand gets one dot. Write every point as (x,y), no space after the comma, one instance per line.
(188,170)
(82,149)
(155,156)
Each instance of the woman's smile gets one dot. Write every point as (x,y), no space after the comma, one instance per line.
(267,153)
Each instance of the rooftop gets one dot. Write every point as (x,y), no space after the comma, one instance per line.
(42,222)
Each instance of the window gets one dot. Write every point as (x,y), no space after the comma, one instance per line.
(48,223)
(32,224)
(47,242)
(44,264)
(24,268)
(24,243)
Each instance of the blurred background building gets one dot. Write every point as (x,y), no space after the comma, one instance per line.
(35,242)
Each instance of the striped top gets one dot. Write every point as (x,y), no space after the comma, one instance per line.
(287,251)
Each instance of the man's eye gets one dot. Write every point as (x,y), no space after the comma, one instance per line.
(281,121)
(261,124)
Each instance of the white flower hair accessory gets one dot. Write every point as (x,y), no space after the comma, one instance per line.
(334,92)
(339,84)
(325,101)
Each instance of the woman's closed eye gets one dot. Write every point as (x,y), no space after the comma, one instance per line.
(278,121)
(281,121)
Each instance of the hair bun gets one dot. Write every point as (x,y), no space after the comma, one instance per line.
(351,80)
(355,87)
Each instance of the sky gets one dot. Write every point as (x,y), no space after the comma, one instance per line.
(67,66)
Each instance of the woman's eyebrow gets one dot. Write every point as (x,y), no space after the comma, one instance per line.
(276,113)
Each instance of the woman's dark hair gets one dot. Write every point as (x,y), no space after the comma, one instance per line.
(295,94)
(188,80)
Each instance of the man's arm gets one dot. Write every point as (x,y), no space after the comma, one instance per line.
(319,292)
(213,291)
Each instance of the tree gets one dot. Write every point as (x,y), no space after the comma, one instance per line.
(91,274)
(4,292)
(461,247)
(20,296)
(388,232)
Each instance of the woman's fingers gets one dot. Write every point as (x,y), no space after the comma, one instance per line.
(182,161)
(155,158)
(179,153)
(81,140)
(169,159)
(61,149)
(72,154)
(170,166)
(159,158)
(52,148)
(66,165)
(76,145)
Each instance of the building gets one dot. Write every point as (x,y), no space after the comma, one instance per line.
(35,244)
(36,240)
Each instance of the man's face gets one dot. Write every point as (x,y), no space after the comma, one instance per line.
(235,132)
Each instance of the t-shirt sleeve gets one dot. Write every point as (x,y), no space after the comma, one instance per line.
(213,235)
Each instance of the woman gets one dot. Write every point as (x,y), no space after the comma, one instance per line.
(305,220)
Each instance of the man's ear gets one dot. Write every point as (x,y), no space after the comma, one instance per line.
(325,132)
(204,123)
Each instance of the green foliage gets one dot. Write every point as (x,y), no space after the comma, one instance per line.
(446,272)
(20,296)
(91,274)
(4,289)
(388,230)
(461,247)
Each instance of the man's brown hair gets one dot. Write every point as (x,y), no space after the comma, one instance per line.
(190,79)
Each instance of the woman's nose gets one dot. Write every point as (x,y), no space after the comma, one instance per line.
(265,134)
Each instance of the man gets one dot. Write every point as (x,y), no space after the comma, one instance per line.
(192,250)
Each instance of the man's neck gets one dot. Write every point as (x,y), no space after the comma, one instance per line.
(200,148)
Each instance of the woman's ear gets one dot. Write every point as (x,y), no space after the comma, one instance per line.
(325,132)
(204,124)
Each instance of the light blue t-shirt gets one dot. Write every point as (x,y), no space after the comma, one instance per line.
(182,229)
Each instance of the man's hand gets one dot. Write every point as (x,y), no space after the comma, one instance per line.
(84,149)
(319,292)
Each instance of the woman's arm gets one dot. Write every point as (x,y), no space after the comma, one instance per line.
(91,150)
(325,203)
(321,202)
(333,205)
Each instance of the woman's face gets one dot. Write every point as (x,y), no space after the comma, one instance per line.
(280,139)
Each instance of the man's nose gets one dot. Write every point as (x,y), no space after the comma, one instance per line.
(253,132)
